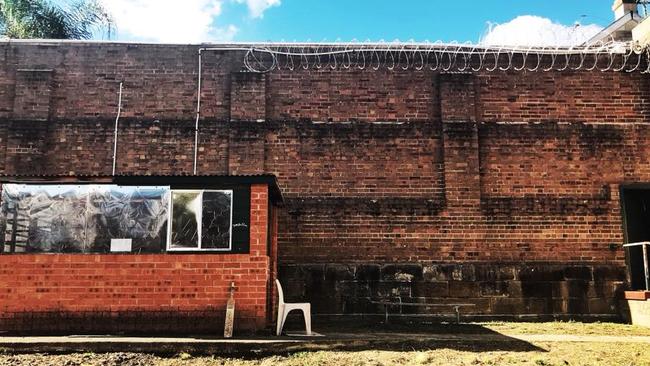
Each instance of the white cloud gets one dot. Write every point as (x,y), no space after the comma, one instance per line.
(256,8)
(187,21)
(225,34)
(530,30)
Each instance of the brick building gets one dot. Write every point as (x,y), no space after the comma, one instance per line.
(509,190)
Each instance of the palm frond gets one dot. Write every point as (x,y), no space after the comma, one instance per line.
(77,19)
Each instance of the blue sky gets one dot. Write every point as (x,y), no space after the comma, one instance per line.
(407,19)
(193,21)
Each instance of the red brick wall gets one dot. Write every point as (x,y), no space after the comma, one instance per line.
(102,287)
(346,95)
(160,82)
(273,254)
(32,94)
(247,97)
(378,168)
(356,161)
(582,96)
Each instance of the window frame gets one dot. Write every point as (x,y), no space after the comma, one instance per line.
(170,210)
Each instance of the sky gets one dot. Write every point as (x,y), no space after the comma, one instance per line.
(552,22)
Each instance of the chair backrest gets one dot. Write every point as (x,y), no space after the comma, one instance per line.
(280,294)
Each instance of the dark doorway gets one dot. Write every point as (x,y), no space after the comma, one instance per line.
(636,205)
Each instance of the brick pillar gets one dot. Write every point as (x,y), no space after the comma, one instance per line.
(259,230)
(259,220)
(461,145)
(246,148)
(458,99)
(32,97)
(4,128)
(273,254)
(26,147)
(462,179)
(246,142)
(248,97)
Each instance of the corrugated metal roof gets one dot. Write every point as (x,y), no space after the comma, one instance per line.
(128,179)
(181,174)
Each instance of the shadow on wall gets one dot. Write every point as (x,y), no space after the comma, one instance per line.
(208,322)
(533,291)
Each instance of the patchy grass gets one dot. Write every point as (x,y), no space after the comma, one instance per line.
(570,328)
(415,348)
(514,328)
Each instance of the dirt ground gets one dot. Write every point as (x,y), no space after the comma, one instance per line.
(463,352)
(594,354)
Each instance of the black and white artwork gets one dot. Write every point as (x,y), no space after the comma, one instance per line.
(82,218)
(217,216)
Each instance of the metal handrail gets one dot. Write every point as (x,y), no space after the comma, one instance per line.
(637,244)
(644,246)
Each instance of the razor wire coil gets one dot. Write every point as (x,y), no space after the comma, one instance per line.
(602,56)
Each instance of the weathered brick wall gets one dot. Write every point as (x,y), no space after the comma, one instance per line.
(352,95)
(32,94)
(578,96)
(139,293)
(248,97)
(161,82)
(504,184)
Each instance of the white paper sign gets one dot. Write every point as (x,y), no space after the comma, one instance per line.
(121,245)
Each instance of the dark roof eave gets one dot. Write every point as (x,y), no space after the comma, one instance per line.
(271,180)
(615,26)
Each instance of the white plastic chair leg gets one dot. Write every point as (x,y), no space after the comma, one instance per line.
(282,316)
(307,315)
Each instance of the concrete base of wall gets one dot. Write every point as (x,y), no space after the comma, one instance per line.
(423,319)
(638,303)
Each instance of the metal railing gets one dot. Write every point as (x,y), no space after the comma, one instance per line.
(644,247)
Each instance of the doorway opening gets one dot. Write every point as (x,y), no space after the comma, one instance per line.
(636,216)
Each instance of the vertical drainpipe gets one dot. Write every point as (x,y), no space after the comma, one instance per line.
(198,115)
(117,121)
(198,97)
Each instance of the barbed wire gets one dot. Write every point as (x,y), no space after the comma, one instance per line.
(603,56)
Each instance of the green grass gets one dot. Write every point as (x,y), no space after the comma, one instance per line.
(570,328)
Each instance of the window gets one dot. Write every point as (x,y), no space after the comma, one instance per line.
(201,220)
(103,218)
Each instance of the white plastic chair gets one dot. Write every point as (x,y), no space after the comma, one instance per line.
(285,308)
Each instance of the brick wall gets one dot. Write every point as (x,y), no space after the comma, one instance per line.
(349,95)
(504,184)
(139,293)
(248,97)
(32,94)
(584,96)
